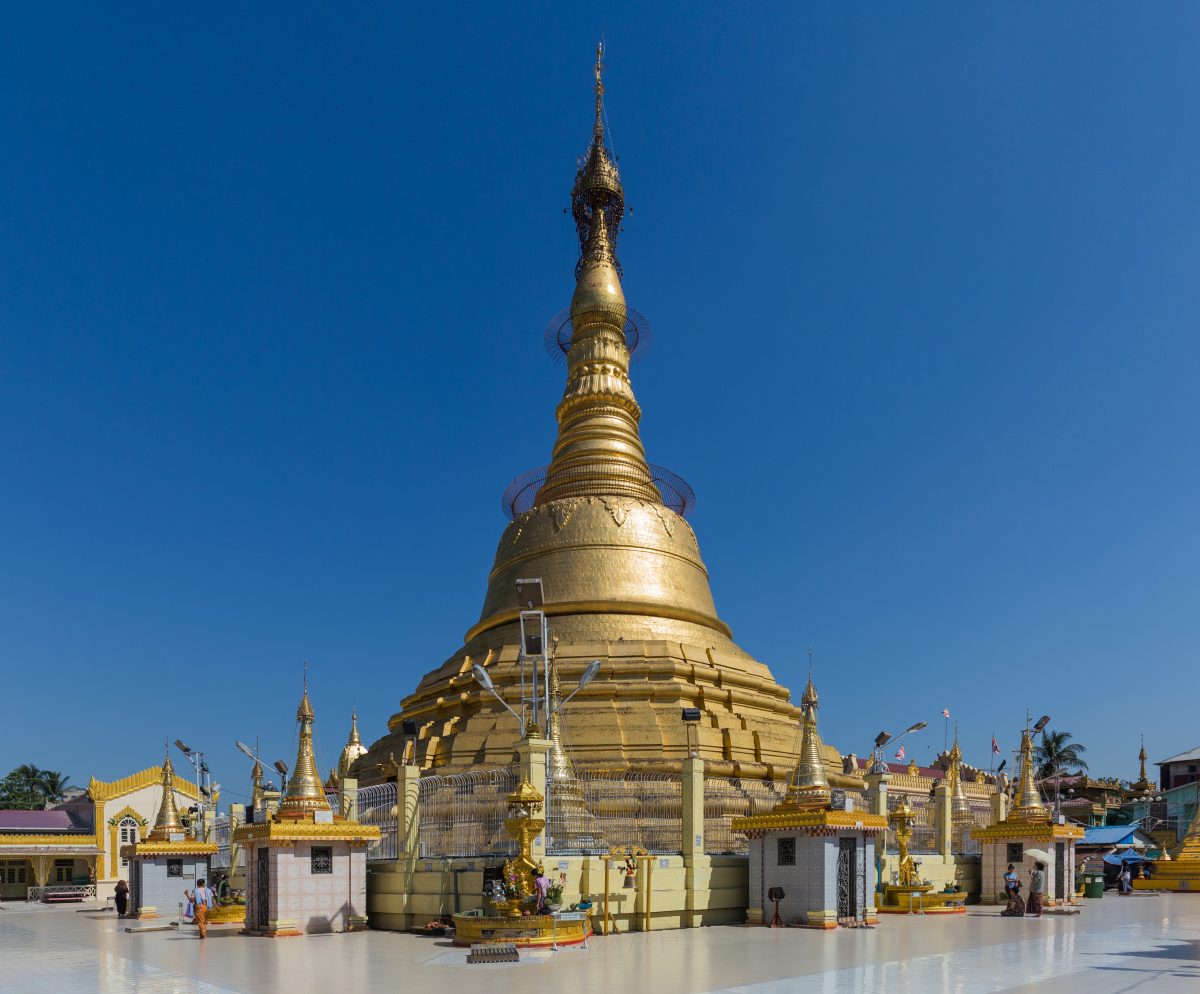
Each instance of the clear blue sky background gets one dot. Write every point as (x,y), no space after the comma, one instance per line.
(272,288)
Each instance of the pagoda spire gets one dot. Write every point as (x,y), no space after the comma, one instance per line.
(305,793)
(168,822)
(1027,806)
(810,785)
(598,451)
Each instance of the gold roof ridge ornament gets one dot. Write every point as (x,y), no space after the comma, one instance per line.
(168,822)
(305,794)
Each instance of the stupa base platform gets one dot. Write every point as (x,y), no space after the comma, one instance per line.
(227,914)
(1178,876)
(527,931)
(921,900)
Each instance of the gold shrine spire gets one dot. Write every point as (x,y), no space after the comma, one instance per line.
(352,750)
(810,785)
(598,451)
(305,793)
(1027,805)
(168,822)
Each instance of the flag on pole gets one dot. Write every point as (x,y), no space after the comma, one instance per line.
(995,747)
(900,753)
(945,712)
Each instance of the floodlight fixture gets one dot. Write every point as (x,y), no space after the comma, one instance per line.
(281,767)
(408,728)
(882,739)
(183,749)
(917,727)
(529,595)
(588,675)
(246,750)
(1042,722)
(691,716)
(484,679)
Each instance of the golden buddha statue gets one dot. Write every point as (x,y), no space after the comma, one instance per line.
(622,574)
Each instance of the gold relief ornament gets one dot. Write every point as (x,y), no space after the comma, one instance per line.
(902,818)
(524,805)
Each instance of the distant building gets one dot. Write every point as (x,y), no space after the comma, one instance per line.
(1178,770)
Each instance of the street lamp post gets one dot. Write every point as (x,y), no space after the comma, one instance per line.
(203,786)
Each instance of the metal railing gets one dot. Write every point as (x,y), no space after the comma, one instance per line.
(377,806)
(600,809)
(980,816)
(726,798)
(85,891)
(463,814)
(223,837)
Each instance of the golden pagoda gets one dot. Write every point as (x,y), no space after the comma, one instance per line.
(623,579)
(353,749)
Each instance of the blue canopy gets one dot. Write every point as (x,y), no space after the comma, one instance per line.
(1110,835)
(1128,856)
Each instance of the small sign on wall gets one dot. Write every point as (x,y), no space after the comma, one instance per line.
(323,817)
(837,799)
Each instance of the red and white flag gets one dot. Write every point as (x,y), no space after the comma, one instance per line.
(995,747)
(900,753)
(945,712)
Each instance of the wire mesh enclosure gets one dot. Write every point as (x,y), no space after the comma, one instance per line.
(600,809)
(377,806)
(726,798)
(924,824)
(223,837)
(980,816)
(463,814)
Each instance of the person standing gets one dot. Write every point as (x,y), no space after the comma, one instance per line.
(1037,889)
(202,900)
(122,897)
(1123,878)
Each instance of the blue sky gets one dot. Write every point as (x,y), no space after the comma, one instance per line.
(272,286)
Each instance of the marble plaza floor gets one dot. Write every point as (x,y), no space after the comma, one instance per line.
(1147,943)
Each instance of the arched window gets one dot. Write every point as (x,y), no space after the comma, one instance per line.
(127,834)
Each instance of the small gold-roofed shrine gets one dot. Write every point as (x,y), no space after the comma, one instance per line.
(168,860)
(306,867)
(1029,826)
(623,577)
(814,847)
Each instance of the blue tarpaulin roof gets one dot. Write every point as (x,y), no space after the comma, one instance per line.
(1110,835)
(1128,856)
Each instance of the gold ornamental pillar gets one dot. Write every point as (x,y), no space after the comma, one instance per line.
(944,815)
(877,793)
(408,813)
(348,797)
(696,865)
(533,753)
(999,806)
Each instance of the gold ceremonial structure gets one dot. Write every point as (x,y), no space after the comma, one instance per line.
(910,894)
(623,578)
(517,919)
(1181,871)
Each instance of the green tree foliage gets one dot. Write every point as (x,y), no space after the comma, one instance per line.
(1056,754)
(28,788)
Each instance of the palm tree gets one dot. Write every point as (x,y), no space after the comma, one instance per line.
(28,780)
(1055,754)
(53,785)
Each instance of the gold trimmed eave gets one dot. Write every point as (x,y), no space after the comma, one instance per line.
(353,832)
(23,845)
(101,791)
(1029,830)
(639,608)
(184,847)
(782,820)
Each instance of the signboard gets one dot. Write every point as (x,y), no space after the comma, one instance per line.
(837,799)
(176,837)
(323,817)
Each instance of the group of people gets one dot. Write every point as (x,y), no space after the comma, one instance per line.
(200,901)
(1016,907)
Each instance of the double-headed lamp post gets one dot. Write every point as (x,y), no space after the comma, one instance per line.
(884,739)
(203,786)
(484,679)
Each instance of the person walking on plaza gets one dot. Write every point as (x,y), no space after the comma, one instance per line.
(201,899)
(122,897)
(1037,889)
(1123,879)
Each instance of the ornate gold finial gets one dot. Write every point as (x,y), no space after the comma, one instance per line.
(1028,803)
(305,793)
(960,807)
(598,452)
(168,822)
(256,788)
(598,128)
